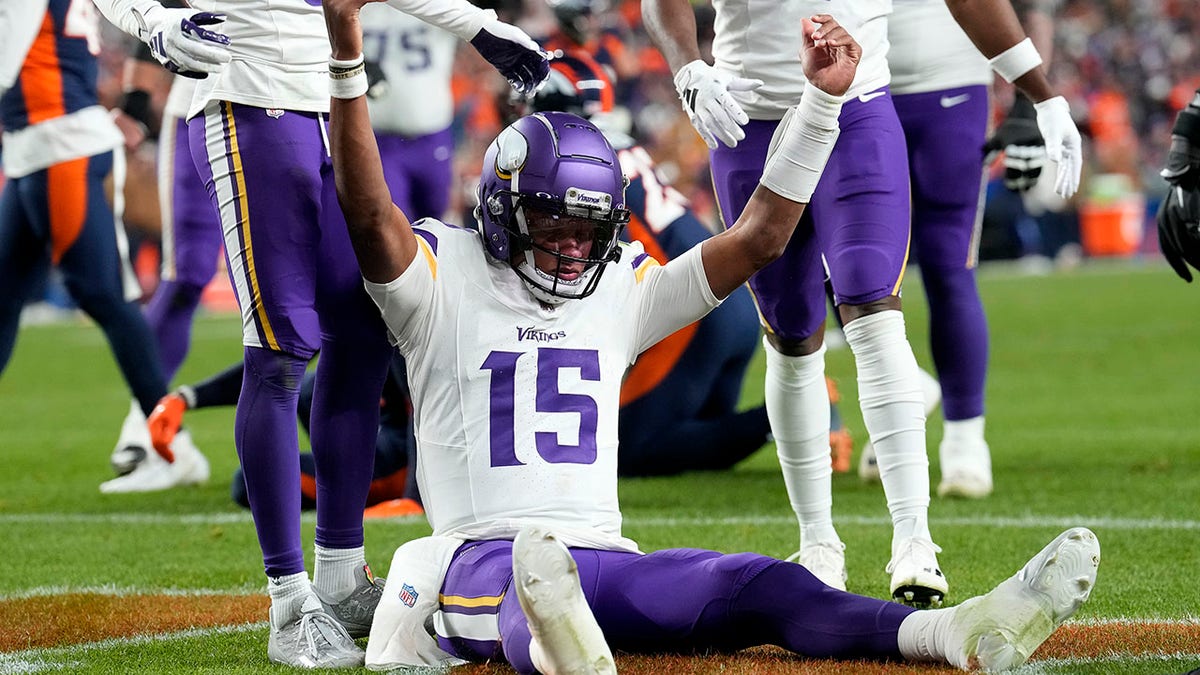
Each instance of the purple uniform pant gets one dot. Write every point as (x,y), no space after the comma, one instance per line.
(945,132)
(419,172)
(858,218)
(269,175)
(191,244)
(677,600)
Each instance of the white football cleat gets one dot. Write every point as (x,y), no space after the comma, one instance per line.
(155,473)
(566,637)
(1001,629)
(966,470)
(133,445)
(826,561)
(917,579)
(312,639)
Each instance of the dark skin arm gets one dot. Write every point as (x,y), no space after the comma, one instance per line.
(993,27)
(381,234)
(762,231)
(671,24)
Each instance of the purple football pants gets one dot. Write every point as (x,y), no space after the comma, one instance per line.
(269,175)
(945,131)
(858,218)
(677,600)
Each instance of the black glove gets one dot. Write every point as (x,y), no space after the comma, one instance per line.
(1022,144)
(377,82)
(1179,214)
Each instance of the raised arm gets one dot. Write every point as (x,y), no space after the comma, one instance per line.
(795,160)
(383,240)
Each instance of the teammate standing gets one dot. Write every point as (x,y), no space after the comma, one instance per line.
(257,127)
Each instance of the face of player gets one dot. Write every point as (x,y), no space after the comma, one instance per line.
(555,236)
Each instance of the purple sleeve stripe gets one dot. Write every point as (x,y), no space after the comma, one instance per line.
(428,237)
(637,262)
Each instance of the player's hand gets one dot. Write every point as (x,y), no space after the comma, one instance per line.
(164,422)
(1019,138)
(1063,144)
(705,94)
(182,43)
(1179,214)
(1179,229)
(514,54)
(830,55)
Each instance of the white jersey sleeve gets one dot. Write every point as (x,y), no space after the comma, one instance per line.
(515,403)
(761,39)
(670,296)
(930,52)
(417,59)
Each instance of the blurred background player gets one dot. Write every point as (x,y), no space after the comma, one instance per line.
(1179,215)
(679,400)
(191,235)
(59,145)
(257,127)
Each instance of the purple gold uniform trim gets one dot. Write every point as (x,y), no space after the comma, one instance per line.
(242,212)
(641,264)
(486,604)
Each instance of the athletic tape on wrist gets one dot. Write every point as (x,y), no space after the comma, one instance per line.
(801,146)
(1017,60)
(347,79)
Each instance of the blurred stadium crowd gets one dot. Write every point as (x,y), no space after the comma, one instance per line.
(1126,66)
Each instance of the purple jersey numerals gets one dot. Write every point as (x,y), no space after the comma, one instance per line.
(548,399)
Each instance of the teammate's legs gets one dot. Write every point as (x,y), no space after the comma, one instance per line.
(861,212)
(24,258)
(344,425)
(262,174)
(191,243)
(791,301)
(946,158)
(430,162)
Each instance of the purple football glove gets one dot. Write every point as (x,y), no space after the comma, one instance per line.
(514,54)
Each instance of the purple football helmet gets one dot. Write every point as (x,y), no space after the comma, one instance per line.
(550,166)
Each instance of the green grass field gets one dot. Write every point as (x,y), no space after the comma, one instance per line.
(1092,420)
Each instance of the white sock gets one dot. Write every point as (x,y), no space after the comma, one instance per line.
(333,571)
(924,634)
(798,407)
(287,594)
(893,408)
(963,432)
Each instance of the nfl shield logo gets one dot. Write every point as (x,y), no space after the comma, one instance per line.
(274,113)
(408,595)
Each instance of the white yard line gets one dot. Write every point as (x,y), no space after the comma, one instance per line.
(1031,521)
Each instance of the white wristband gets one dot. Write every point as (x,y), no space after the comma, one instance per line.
(801,146)
(347,79)
(1016,60)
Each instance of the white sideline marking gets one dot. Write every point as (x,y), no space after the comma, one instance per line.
(112,590)
(1041,666)
(36,660)
(1028,521)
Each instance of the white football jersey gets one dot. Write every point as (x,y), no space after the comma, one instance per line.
(179,99)
(929,51)
(515,404)
(279,56)
(761,39)
(417,60)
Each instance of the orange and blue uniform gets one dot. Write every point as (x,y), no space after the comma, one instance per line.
(58,149)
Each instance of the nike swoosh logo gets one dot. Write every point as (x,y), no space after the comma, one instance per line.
(951,101)
(865,98)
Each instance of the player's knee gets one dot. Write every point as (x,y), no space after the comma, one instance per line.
(185,293)
(851,312)
(796,346)
(278,370)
